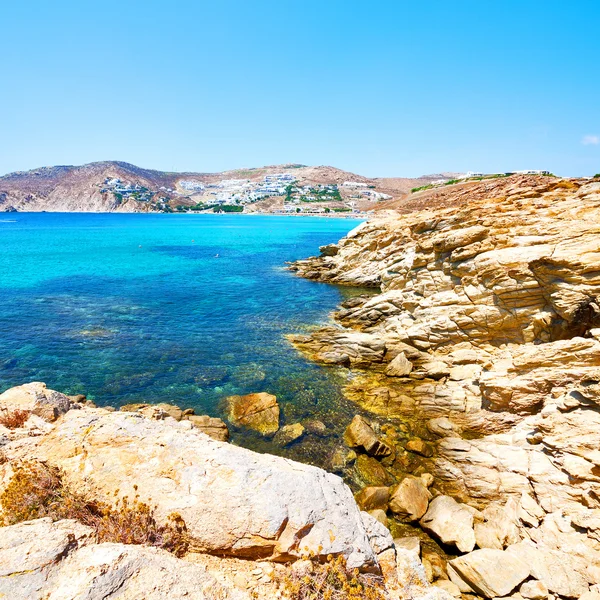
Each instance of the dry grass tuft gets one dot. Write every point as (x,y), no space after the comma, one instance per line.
(332,580)
(37,490)
(13,419)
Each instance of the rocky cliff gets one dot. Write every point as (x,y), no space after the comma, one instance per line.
(487,333)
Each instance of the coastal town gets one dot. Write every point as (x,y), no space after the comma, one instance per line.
(234,195)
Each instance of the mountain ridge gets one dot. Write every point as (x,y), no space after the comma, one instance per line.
(81,188)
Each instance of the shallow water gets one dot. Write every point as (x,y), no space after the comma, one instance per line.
(185,309)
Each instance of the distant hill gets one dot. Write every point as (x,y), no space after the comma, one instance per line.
(113,186)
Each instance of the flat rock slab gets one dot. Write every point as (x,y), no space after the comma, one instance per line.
(492,573)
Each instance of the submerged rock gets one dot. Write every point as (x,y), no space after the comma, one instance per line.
(359,434)
(289,434)
(254,411)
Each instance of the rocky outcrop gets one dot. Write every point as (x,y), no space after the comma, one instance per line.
(61,561)
(234,502)
(487,330)
(238,507)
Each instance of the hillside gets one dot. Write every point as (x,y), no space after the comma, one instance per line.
(114,186)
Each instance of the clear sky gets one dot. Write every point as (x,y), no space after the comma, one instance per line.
(382,88)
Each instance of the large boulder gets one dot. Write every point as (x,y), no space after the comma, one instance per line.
(234,502)
(61,561)
(450,522)
(29,552)
(409,499)
(491,573)
(359,434)
(254,411)
(35,398)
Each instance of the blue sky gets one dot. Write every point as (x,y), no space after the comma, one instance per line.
(382,88)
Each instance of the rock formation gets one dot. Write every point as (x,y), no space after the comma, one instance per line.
(487,330)
(238,507)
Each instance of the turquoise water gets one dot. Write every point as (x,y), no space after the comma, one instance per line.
(185,309)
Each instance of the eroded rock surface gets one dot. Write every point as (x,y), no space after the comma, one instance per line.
(487,328)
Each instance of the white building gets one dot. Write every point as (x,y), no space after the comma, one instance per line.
(354,184)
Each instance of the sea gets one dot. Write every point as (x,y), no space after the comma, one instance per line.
(184,309)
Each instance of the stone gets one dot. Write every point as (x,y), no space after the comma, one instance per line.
(212,426)
(259,412)
(411,544)
(37,399)
(30,550)
(491,573)
(418,446)
(379,536)
(359,434)
(534,590)
(234,502)
(373,497)
(409,499)
(172,410)
(427,479)
(501,528)
(450,522)
(448,586)
(443,427)
(379,515)
(289,434)
(371,471)
(563,573)
(315,427)
(399,366)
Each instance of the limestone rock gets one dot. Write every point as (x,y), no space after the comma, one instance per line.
(371,471)
(289,434)
(451,522)
(448,586)
(36,398)
(534,590)
(563,573)
(492,573)
(359,434)
(373,497)
(130,572)
(409,500)
(379,515)
(501,527)
(234,502)
(41,560)
(255,411)
(212,426)
(411,543)
(418,446)
(30,550)
(399,367)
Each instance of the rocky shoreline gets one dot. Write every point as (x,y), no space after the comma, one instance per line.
(486,339)
(251,522)
(473,463)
